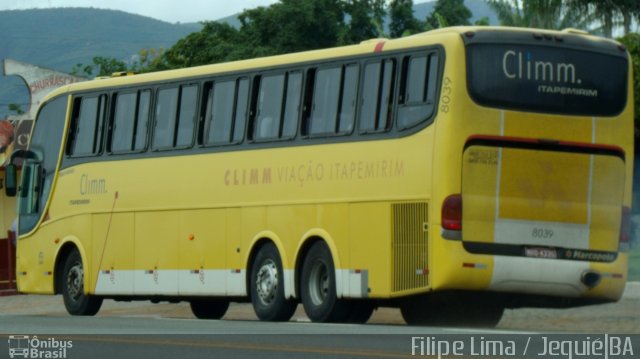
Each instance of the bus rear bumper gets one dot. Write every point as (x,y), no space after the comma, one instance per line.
(558,278)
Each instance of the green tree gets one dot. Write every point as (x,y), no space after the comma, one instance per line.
(545,14)
(632,43)
(292,25)
(216,42)
(148,60)
(403,22)
(102,66)
(366,19)
(484,21)
(82,70)
(448,13)
(108,65)
(630,9)
(607,12)
(13,107)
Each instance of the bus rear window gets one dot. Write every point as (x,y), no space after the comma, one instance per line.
(547,79)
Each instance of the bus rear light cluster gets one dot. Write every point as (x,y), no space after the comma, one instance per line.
(452,217)
(625,230)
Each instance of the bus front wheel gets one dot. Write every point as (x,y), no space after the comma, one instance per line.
(267,286)
(209,308)
(75,300)
(318,287)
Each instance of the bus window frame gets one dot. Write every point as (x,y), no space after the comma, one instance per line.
(205,124)
(254,94)
(112,119)
(72,135)
(403,85)
(309,96)
(176,120)
(392,103)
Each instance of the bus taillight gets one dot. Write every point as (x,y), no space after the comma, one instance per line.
(452,213)
(625,229)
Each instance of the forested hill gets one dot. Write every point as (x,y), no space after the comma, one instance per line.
(62,37)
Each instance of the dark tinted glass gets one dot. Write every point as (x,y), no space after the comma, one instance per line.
(86,131)
(547,79)
(166,108)
(187,119)
(124,122)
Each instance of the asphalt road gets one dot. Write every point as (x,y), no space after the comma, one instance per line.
(144,330)
(153,337)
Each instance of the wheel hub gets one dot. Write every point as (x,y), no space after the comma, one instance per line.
(267,282)
(75,280)
(318,283)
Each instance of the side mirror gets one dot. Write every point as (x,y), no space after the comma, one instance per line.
(10,180)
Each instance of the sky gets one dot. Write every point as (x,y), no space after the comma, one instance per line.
(172,11)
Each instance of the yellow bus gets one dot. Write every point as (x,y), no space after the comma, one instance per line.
(452,174)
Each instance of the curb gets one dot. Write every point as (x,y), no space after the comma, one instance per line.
(632,290)
(6,292)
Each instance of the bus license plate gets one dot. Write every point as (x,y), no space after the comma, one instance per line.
(541,253)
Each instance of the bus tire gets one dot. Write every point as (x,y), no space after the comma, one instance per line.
(75,300)
(318,287)
(209,308)
(267,286)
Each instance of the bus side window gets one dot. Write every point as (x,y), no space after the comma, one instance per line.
(87,125)
(130,122)
(307,103)
(324,110)
(332,109)
(123,122)
(141,130)
(269,107)
(219,115)
(377,96)
(226,112)
(165,118)
(187,116)
(240,116)
(175,117)
(417,89)
(276,105)
(289,126)
(348,98)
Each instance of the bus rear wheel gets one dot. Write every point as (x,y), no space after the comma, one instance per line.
(209,308)
(75,300)
(318,287)
(267,286)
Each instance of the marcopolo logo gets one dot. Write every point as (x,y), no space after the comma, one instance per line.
(23,346)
